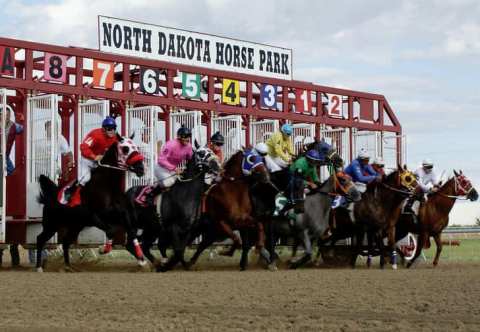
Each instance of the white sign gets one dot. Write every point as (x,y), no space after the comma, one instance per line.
(191,48)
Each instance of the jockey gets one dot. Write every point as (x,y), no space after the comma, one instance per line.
(216,142)
(427,181)
(306,168)
(253,157)
(378,166)
(280,149)
(94,145)
(173,153)
(360,170)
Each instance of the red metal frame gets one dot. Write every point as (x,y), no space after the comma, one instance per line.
(25,83)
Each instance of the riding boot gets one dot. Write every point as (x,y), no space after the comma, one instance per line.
(150,197)
(71,190)
(408,205)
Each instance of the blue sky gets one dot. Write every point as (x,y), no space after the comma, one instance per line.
(422,55)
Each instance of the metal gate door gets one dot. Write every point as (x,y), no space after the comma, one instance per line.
(260,131)
(371,141)
(191,119)
(231,128)
(41,146)
(339,138)
(3,167)
(300,132)
(90,116)
(391,156)
(142,122)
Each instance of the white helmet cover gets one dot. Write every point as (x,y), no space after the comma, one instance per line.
(308,140)
(363,154)
(427,163)
(378,161)
(261,148)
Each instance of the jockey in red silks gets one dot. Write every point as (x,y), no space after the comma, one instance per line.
(94,145)
(216,142)
(92,148)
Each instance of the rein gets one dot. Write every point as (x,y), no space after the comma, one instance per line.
(124,168)
(396,190)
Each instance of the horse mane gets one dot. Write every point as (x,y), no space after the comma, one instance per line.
(233,162)
(110,156)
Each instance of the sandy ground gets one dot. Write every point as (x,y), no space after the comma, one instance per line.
(218,297)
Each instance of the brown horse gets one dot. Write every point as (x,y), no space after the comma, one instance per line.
(378,211)
(433,214)
(228,207)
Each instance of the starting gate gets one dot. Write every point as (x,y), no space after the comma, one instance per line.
(339,138)
(231,129)
(389,149)
(300,132)
(41,146)
(142,123)
(3,168)
(190,119)
(260,131)
(90,116)
(371,141)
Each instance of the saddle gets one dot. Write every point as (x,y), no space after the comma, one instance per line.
(69,195)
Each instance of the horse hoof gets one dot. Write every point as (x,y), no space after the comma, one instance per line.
(272,267)
(39,269)
(141,262)
(394,266)
(161,268)
(163,260)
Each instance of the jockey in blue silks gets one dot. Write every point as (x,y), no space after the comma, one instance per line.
(254,157)
(360,170)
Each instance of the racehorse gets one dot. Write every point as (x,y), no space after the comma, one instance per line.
(103,202)
(433,214)
(179,210)
(378,211)
(313,222)
(228,206)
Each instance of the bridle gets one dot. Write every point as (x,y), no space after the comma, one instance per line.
(405,179)
(463,187)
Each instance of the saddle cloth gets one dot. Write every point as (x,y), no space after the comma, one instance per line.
(75,199)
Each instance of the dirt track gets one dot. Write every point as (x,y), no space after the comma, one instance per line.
(447,298)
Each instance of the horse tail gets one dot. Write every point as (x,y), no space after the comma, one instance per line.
(48,191)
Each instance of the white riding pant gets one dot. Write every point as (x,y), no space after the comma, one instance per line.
(275,164)
(165,177)
(86,166)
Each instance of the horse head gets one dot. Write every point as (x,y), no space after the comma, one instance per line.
(129,156)
(463,186)
(402,179)
(233,166)
(345,187)
(206,160)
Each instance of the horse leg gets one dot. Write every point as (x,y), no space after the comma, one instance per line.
(261,243)
(237,241)
(370,240)
(42,238)
(147,240)
(245,249)
(438,242)
(381,246)
(307,243)
(422,239)
(356,248)
(271,243)
(207,240)
(391,246)
(69,238)
(178,251)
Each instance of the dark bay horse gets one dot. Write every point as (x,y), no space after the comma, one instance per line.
(313,223)
(104,203)
(379,209)
(433,214)
(228,207)
(179,211)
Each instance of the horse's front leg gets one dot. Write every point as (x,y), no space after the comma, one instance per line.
(438,242)
(237,241)
(307,256)
(261,243)
(391,245)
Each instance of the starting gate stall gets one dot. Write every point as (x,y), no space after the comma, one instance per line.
(261,130)
(230,127)
(3,164)
(142,122)
(144,86)
(300,132)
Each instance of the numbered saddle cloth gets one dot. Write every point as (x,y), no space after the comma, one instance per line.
(74,199)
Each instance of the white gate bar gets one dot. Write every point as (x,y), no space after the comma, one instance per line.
(231,128)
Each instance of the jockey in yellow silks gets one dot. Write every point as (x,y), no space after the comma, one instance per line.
(280,149)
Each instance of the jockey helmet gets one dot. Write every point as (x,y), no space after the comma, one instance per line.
(308,140)
(261,148)
(313,155)
(287,129)
(379,161)
(217,138)
(427,163)
(109,123)
(184,132)
(363,155)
